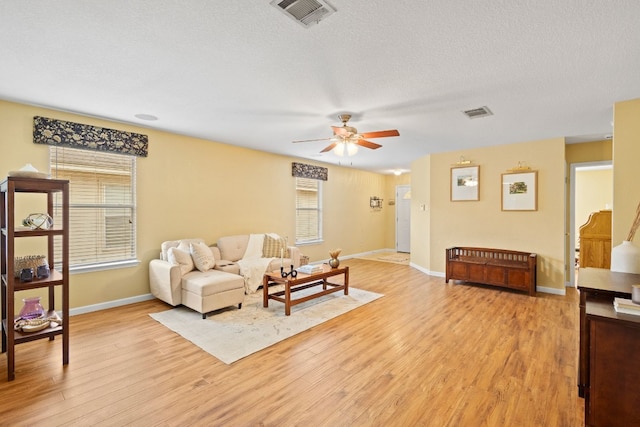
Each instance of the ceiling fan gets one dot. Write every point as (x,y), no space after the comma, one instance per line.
(347,139)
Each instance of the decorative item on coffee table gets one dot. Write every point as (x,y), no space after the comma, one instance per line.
(292,272)
(334,262)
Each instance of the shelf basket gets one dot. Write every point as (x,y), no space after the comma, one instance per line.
(29,261)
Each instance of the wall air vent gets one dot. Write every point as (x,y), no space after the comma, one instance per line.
(304,12)
(478,112)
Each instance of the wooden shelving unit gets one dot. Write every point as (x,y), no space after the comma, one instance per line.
(57,278)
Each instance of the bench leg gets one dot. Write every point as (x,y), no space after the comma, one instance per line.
(204,315)
(239,306)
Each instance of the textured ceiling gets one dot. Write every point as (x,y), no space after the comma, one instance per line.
(242,73)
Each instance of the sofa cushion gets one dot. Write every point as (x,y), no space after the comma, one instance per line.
(202,256)
(232,248)
(211,282)
(178,256)
(274,246)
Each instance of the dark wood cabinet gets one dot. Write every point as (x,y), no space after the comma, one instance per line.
(58,277)
(613,390)
(608,378)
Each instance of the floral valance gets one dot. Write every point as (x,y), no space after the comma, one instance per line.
(76,135)
(301,170)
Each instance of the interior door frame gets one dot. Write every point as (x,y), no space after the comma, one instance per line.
(572,214)
(408,188)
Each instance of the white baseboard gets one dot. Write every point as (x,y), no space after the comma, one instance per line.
(359,255)
(554,291)
(147,297)
(109,304)
(425,271)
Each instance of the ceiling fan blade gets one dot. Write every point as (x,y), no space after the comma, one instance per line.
(310,140)
(380,134)
(338,130)
(368,144)
(328,148)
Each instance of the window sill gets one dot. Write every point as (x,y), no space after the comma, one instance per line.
(310,242)
(90,268)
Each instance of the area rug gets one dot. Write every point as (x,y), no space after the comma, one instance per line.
(393,257)
(232,334)
(399,258)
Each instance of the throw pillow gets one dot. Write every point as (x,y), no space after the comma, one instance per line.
(202,256)
(274,247)
(178,256)
(184,246)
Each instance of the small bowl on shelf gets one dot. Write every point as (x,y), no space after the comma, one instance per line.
(28,171)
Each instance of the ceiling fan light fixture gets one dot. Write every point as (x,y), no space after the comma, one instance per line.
(345,147)
(346,139)
(352,149)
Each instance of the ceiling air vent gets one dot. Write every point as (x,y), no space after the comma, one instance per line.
(478,112)
(304,12)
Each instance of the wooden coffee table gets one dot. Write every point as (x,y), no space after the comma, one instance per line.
(303,281)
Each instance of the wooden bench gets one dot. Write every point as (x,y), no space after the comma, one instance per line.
(497,267)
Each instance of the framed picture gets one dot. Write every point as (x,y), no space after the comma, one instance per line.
(520,191)
(465,183)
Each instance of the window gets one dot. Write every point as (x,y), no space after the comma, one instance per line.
(102,206)
(308,210)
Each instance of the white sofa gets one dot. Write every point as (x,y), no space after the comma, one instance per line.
(220,275)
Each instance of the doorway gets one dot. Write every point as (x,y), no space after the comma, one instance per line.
(586,198)
(403,218)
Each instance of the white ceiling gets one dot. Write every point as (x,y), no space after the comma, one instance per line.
(242,73)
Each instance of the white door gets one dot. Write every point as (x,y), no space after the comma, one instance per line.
(403,218)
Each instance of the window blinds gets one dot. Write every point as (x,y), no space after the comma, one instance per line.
(308,210)
(102,207)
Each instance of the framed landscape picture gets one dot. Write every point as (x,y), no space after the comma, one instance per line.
(520,191)
(465,183)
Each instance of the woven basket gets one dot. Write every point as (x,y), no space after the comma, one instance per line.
(29,261)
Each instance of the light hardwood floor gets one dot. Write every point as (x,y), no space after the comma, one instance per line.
(426,354)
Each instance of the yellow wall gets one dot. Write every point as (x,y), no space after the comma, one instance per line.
(189,187)
(421,213)
(589,151)
(594,192)
(626,153)
(482,223)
